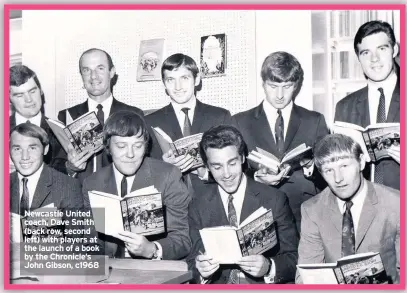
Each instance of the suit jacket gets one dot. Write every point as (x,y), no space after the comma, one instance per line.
(207,210)
(354,108)
(205,117)
(51,158)
(77,111)
(53,187)
(166,179)
(378,230)
(304,127)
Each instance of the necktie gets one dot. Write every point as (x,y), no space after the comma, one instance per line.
(121,250)
(279,132)
(348,232)
(25,199)
(232,217)
(380,118)
(101,117)
(123,186)
(187,123)
(28,121)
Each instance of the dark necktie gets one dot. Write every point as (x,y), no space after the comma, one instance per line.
(123,186)
(25,198)
(187,123)
(101,117)
(232,217)
(28,121)
(121,250)
(279,132)
(380,118)
(348,232)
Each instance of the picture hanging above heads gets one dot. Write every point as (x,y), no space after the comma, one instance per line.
(213,55)
(150,59)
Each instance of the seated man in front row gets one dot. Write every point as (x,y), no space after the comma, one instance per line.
(230,201)
(125,138)
(366,212)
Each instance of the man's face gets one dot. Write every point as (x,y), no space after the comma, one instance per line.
(344,175)
(127,153)
(376,56)
(96,75)
(26,98)
(226,167)
(180,84)
(279,94)
(26,153)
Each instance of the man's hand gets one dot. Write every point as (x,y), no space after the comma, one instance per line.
(77,162)
(136,244)
(266,176)
(394,152)
(183,162)
(255,265)
(206,265)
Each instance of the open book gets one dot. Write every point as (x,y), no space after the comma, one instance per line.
(140,211)
(254,235)
(84,133)
(375,139)
(186,145)
(291,158)
(363,268)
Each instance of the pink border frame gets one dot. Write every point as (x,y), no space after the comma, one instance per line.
(8,7)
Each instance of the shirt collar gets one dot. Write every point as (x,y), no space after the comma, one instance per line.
(119,176)
(388,84)
(357,200)
(191,104)
(238,196)
(35,120)
(107,104)
(272,112)
(33,177)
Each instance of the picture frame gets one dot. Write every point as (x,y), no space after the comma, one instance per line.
(213,55)
(150,59)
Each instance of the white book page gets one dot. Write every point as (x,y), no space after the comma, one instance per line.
(256,214)
(163,134)
(143,191)
(222,245)
(318,276)
(382,125)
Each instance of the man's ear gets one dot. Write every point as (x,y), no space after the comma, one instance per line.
(198,79)
(243,159)
(362,159)
(46,149)
(112,72)
(396,49)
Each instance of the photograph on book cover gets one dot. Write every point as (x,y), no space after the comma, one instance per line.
(334,63)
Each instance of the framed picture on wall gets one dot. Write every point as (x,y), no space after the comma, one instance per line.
(213,55)
(150,59)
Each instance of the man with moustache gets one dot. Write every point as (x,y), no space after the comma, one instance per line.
(378,102)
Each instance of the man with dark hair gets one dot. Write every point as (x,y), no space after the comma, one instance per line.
(98,75)
(27,100)
(378,102)
(185,115)
(278,125)
(229,202)
(353,215)
(126,137)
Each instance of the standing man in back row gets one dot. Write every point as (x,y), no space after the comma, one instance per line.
(378,102)
(98,75)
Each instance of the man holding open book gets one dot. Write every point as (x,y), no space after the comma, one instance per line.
(378,102)
(353,215)
(125,138)
(231,201)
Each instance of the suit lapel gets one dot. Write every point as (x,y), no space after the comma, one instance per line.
(394,110)
(43,188)
(215,208)
(333,211)
(251,202)
(79,110)
(12,121)
(362,114)
(109,180)
(14,193)
(368,213)
(264,135)
(143,176)
(199,117)
(293,126)
(170,123)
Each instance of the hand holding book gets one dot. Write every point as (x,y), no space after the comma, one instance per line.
(267,176)
(394,152)
(206,265)
(136,244)
(183,162)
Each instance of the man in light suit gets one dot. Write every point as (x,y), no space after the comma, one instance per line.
(236,196)
(185,115)
(278,125)
(353,215)
(99,76)
(376,48)
(126,139)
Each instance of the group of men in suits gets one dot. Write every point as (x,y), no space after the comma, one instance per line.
(228,189)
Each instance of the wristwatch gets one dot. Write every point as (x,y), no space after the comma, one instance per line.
(155,252)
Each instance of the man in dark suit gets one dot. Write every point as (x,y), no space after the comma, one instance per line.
(98,75)
(278,125)
(185,115)
(378,102)
(36,185)
(353,215)
(230,201)
(126,138)
(27,100)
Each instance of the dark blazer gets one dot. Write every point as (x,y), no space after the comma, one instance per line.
(205,117)
(51,158)
(77,111)
(53,187)
(166,179)
(378,229)
(207,210)
(354,108)
(305,126)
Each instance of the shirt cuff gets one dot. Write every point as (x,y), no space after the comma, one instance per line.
(203,281)
(269,279)
(159,251)
(308,170)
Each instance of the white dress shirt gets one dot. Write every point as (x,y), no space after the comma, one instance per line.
(32,182)
(34,120)
(271,114)
(191,104)
(107,105)
(357,206)
(388,86)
